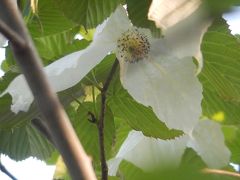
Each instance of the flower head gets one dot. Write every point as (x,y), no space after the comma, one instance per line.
(156,72)
(132,46)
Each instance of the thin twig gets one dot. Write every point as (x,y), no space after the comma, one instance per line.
(56,119)
(220,172)
(5,171)
(104,167)
(11,35)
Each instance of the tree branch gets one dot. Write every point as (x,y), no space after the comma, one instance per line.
(104,167)
(220,172)
(5,171)
(42,128)
(56,120)
(11,35)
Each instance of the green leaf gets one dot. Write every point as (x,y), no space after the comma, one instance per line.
(122,130)
(138,13)
(129,171)
(52,33)
(190,157)
(87,131)
(20,143)
(220,74)
(50,48)
(137,116)
(47,20)
(232,134)
(87,13)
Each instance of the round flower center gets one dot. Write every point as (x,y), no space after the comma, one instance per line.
(132,46)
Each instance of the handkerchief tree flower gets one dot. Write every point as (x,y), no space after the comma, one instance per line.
(159,73)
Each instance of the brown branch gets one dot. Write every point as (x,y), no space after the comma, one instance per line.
(104,167)
(11,35)
(5,171)
(42,128)
(220,172)
(56,120)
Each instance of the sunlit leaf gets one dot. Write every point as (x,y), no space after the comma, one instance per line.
(232,134)
(48,20)
(87,13)
(220,74)
(87,131)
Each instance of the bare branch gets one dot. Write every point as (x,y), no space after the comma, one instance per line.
(42,128)
(60,128)
(11,35)
(104,167)
(5,171)
(220,172)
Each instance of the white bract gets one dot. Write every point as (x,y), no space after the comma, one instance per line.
(166,13)
(149,153)
(162,77)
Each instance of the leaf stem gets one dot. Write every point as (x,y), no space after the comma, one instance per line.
(104,167)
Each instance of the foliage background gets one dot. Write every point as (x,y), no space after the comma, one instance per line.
(53,27)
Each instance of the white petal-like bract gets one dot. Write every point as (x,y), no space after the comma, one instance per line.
(167,13)
(70,69)
(169,86)
(149,153)
(208,141)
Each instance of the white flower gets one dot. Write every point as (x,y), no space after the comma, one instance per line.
(150,153)
(163,76)
(156,72)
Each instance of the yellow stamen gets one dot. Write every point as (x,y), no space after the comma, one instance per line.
(132,46)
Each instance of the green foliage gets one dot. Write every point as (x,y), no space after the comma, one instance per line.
(220,80)
(47,20)
(138,12)
(22,142)
(121,132)
(220,74)
(53,27)
(87,13)
(232,134)
(55,46)
(87,131)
